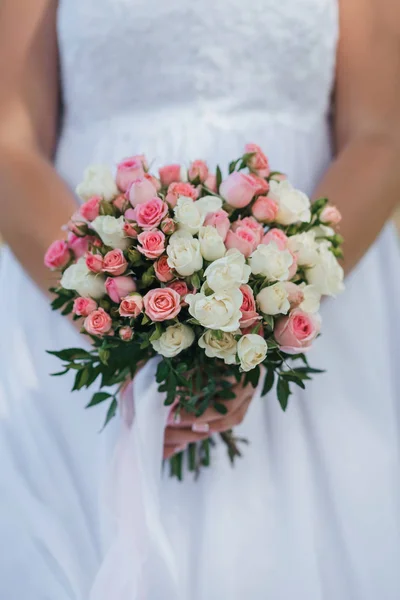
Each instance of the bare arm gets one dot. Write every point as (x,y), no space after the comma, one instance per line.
(34,202)
(364,180)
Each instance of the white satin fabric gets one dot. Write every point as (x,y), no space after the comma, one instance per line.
(312,509)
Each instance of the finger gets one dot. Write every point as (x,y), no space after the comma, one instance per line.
(231,420)
(178,437)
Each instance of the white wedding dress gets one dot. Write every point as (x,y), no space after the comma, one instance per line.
(312,509)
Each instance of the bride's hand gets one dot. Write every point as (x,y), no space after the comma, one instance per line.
(192,429)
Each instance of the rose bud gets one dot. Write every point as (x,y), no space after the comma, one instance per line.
(243,239)
(252,224)
(78,245)
(119,287)
(168,226)
(126,333)
(265,209)
(84,306)
(261,183)
(180,287)
(57,255)
(131,306)
(94,262)
(277,236)
(128,171)
(130,230)
(134,256)
(153,180)
(238,189)
(121,203)
(162,270)
(211,183)
(141,190)
(219,220)
(258,162)
(330,215)
(198,170)
(180,189)
(169,174)
(90,209)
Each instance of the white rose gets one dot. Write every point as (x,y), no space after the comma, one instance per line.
(79,278)
(228,272)
(271,262)
(217,311)
(111,231)
(98,181)
(212,245)
(312,298)
(322,231)
(184,174)
(224,346)
(208,204)
(326,275)
(305,247)
(184,253)
(294,205)
(252,350)
(188,215)
(174,339)
(273,300)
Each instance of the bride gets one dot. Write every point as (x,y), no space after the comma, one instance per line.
(312,509)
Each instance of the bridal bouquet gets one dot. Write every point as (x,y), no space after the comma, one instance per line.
(217,275)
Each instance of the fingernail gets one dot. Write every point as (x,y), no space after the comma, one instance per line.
(200,427)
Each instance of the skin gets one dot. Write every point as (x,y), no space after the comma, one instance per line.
(363,181)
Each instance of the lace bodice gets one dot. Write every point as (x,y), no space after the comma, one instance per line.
(232,57)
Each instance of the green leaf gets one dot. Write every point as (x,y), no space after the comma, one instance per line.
(291,377)
(283,392)
(269,320)
(70,354)
(195,281)
(268,382)
(157,333)
(68,308)
(145,320)
(60,373)
(219,177)
(221,408)
(227,394)
(97,398)
(308,370)
(162,371)
(58,302)
(252,376)
(104,355)
(112,411)
(81,379)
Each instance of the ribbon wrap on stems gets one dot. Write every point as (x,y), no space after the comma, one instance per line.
(139,564)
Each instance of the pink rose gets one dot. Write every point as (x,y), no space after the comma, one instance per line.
(57,255)
(121,203)
(162,269)
(94,263)
(198,170)
(252,224)
(84,306)
(140,191)
(162,304)
(130,231)
(150,214)
(152,243)
(114,262)
(219,220)
(168,226)
(90,209)
(126,333)
(131,306)
(98,322)
(244,239)
(277,236)
(265,209)
(153,180)
(248,309)
(78,244)
(180,189)
(211,183)
(259,162)
(295,333)
(330,215)
(261,183)
(119,287)
(180,287)
(238,189)
(128,171)
(76,225)
(295,294)
(169,174)
(293,266)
